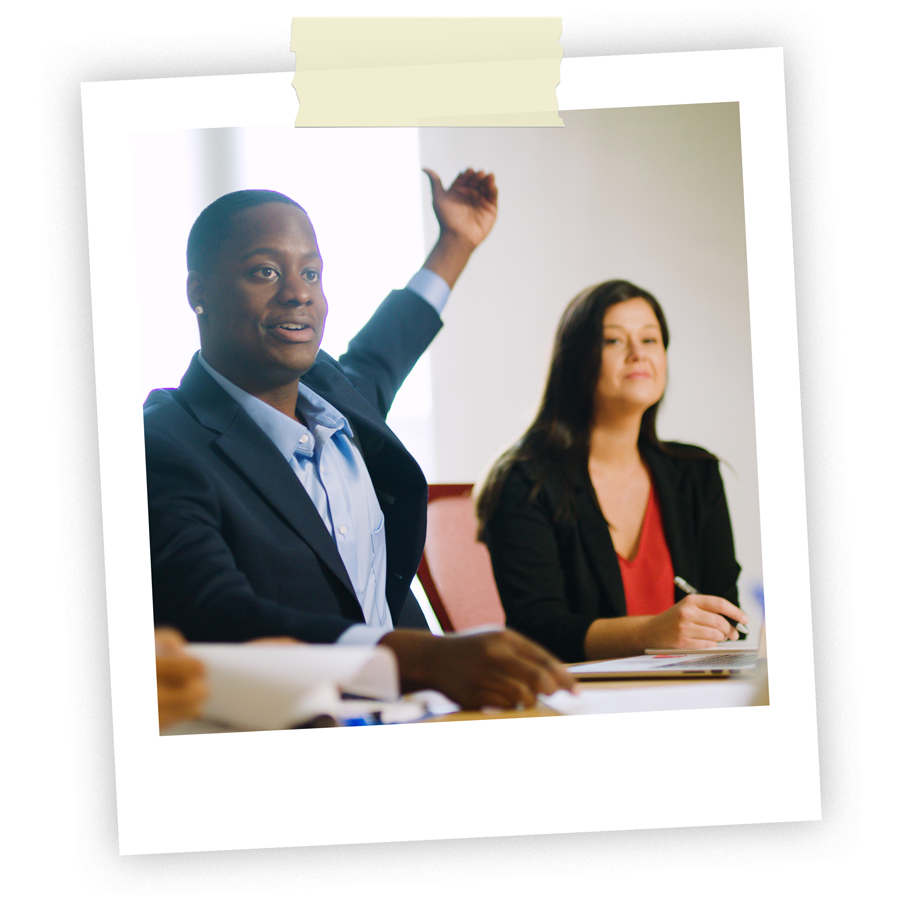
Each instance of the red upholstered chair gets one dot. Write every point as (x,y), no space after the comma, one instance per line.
(455,571)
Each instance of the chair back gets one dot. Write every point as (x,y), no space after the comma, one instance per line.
(455,570)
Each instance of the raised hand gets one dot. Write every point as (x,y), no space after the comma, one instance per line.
(468,208)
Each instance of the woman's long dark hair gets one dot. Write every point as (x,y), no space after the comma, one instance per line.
(559,437)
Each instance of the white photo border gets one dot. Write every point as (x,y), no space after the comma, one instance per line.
(290,788)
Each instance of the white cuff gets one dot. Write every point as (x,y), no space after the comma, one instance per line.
(430,287)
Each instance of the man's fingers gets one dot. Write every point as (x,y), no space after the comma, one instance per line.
(515,691)
(436,186)
(475,187)
(554,673)
(531,678)
(563,678)
(489,189)
(502,667)
(519,670)
(493,698)
(541,678)
(499,691)
(536,674)
(548,676)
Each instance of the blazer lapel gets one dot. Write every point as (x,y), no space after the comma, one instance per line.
(598,545)
(391,476)
(260,463)
(327,380)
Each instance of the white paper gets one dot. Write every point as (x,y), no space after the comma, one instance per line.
(271,687)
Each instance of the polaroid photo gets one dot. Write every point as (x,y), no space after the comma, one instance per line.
(672,172)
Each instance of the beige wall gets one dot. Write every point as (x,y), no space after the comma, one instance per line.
(652,195)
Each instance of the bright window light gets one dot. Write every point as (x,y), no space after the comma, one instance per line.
(362,189)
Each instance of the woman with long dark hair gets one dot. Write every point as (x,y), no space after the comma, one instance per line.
(589,518)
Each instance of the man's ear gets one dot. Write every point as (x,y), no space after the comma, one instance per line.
(196,292)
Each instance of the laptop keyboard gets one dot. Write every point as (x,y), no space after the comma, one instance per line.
(723,661)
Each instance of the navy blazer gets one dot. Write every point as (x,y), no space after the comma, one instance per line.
(556,575)
(238,549)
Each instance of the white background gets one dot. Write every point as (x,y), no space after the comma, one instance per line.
(59,770)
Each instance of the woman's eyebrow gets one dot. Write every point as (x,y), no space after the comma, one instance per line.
(649,325)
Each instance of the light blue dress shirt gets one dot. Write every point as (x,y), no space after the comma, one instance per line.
(333,473)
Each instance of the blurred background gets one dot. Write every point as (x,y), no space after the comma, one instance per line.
(653,195)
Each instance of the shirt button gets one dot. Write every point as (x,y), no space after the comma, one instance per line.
(304,438)
(343,529)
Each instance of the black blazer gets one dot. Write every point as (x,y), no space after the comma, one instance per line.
(557,575)
(238,549)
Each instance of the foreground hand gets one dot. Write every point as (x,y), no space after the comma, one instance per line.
(180,680)
(698,621)
(502,669)
(468,209)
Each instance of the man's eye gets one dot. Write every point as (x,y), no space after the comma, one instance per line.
(265,271)
(311,275)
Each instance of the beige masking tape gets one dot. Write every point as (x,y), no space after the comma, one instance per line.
(427,72)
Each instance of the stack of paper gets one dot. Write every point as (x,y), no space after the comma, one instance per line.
(278,686)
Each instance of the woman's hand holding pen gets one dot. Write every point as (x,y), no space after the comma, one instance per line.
(698,621)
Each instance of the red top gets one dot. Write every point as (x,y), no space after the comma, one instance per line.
(648,578)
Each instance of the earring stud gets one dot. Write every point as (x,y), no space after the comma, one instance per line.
(198,310)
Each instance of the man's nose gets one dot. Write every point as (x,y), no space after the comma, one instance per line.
(294,291)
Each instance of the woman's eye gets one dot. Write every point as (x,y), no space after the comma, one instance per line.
(311,275)
(612,340)
(651,341)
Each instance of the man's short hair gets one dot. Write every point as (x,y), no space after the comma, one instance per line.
(213,224)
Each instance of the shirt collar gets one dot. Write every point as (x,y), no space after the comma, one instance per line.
(284,432)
